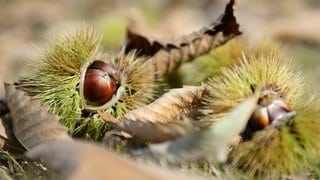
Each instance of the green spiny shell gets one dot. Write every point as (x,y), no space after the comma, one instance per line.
(263,72)
(56,79)
(286,149)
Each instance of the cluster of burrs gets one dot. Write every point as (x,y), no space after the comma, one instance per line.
(255,116)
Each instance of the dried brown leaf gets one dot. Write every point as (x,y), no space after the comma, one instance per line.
(141,44)
(157,132)
(7,139)
(166,118)
(32,123)
(167,56)
(171,105)
(80,160)
(211,143)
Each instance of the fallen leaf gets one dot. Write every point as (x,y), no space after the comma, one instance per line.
(7,139)
(80,160)
(32,123)
(211,143)
(167,56)
(168,117)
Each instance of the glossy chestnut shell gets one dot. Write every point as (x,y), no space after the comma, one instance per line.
(101,82)
(271,107)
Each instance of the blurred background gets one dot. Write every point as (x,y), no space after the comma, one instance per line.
(26,24)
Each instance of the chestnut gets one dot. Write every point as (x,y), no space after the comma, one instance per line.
(100,65)
(271,107)
(259,119)
(99,87)
(99,84)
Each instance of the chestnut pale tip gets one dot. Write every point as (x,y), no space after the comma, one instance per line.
(100,85)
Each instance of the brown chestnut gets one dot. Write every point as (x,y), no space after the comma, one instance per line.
(101,82)
(259,119)
(100,65)
(271,107)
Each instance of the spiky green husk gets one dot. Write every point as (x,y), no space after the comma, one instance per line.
(56,80)
(138,80)
(271,151)
(269,71)
(57,71)
(288,150)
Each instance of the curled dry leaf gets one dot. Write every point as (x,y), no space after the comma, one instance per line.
(169,106)
(32,123)
(80,160)
(166,118)
(167,56)
(157,132)
(211,143)
(7,139)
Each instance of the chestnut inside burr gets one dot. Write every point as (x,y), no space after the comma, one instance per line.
(271,107)
(100,83)
(107,68)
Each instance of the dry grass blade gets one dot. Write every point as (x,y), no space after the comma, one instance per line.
(79,160)
(166,118)
(32,123)
(167,56)
(211,143)
(4,175)
(3,134)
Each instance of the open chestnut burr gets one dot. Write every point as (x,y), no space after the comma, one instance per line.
(100,85)
(270,108)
